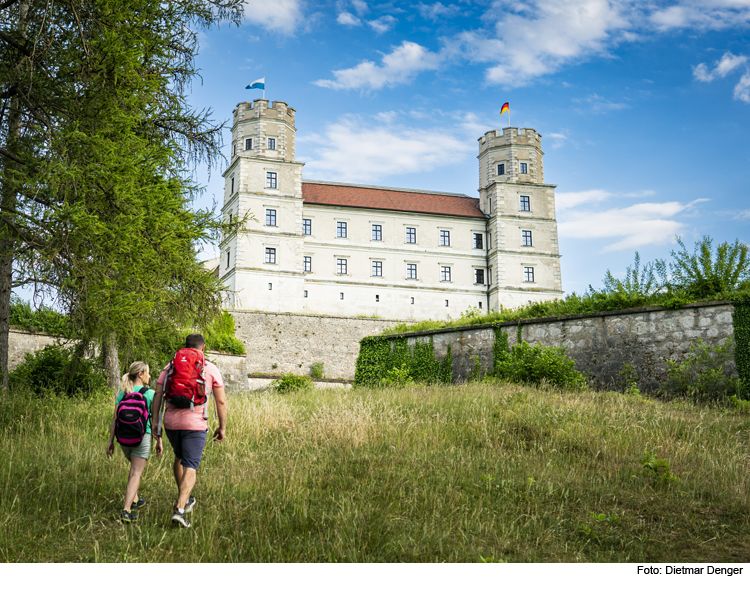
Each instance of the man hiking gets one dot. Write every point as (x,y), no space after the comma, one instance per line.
(185,385)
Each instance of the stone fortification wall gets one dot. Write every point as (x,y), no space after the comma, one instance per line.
(599,343)
(21,342)
(279,343)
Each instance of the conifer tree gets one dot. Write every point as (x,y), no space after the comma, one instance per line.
(96,144)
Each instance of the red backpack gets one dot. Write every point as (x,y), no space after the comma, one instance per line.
(185,384)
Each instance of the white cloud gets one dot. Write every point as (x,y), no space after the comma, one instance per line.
(743,215)
(742,90)
(574,199)
(399,66)
(635,226)
(644,193)
(360,6)
(347,18)
(352,150)
(437,11)
(558,139)
(383,24)
(282,16)
(599,104)
(701,14)
(723,67)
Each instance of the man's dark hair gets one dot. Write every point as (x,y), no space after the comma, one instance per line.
(194,341)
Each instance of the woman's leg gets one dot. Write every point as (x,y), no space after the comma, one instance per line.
(137,465)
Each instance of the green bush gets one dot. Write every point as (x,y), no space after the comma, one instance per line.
(702,373)
(57,370)
(316,370)
(537,364)
(45,319)
(397,376)
(220,336)
(291,383)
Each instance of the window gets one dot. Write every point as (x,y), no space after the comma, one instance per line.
(528,274)
(489,205)
(307,227)
(341,267)
(501,169)
(445,273)
(524,168)
(411,271)
(271,256)
(411,235)
(525,203)
(228,254)
(307,261)
(270,217)
(234,149)
(479,276)
(478,242)
(480,305)
(445,238)
(341,295)
(526,238)
(489,240)
(271,143)
(231,186)
(377,232)
(340,229)
(230,218)
(489,276)
(446,303)
(271,180)
(377,298)
(270,286)
(305,294)
(377,268)
(412,300)
(249,143)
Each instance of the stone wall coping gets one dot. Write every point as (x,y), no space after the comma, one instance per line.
(321,316)
(263,376)
(37,334)
(244,355)
(558,319)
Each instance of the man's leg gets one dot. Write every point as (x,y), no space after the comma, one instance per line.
(178,471)
(186,486)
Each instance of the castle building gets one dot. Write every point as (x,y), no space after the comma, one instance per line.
(346,249)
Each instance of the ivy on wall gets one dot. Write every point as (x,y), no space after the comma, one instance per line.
(741,317)
(378,355)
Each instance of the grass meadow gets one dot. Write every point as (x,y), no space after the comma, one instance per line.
(469,473)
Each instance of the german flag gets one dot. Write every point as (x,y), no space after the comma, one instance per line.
(505,109)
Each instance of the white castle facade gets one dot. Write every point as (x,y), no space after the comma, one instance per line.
(349,250)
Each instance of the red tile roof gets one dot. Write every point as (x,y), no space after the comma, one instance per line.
(318,193)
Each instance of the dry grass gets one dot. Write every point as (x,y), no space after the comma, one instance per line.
(419,474)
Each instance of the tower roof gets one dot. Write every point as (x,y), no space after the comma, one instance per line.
(390,198)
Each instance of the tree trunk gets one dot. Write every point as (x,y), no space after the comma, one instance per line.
(111,360)
(7,204)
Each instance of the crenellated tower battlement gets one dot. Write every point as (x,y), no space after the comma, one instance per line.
(263,131)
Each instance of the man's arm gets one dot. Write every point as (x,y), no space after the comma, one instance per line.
(221,409)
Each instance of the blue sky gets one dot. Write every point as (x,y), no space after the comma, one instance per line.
(644,106)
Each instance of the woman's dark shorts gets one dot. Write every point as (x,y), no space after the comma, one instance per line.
(188,446)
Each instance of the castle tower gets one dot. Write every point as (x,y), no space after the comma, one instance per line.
(523,253)
(263,265)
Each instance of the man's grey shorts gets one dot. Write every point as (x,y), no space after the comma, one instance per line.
(187,445)
(139,451)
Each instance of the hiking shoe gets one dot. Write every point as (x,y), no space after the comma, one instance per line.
(180,518)
(138,504)
(128,516)
(189,505)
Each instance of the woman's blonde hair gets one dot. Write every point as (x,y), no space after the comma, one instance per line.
(127,380)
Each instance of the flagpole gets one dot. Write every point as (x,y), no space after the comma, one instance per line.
(508,115)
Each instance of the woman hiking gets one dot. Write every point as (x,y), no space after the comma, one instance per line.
(131,424)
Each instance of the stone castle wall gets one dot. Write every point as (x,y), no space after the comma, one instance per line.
(22,342)
(599,343)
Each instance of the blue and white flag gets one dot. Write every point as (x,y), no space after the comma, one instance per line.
(259,83)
